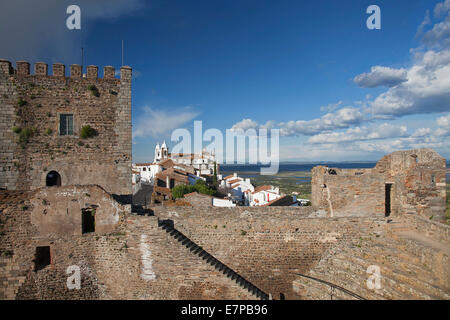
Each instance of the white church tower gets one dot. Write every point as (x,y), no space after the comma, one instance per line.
(164,151)
(157,153)
(161,152)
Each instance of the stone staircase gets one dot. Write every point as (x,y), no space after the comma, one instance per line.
(208,258)
(411,266)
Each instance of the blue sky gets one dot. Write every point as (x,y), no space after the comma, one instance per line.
(305,67)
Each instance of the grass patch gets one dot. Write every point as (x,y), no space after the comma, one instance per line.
(16,129)
(94,91)
(87,132)
(21,102)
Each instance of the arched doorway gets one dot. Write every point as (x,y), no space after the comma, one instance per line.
(53,179)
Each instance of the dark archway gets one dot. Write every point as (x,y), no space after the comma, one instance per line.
(53,179)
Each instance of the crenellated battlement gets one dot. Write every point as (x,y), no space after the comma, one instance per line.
(59,70)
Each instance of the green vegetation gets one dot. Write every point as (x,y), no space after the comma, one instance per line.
(16,129)
(243,233)
(48,131)
(199,186)
(93,89)
(87,132)
(21,102)
(25,135)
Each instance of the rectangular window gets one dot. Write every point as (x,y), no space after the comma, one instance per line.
(66,124)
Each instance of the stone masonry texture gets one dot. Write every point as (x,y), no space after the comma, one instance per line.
(35,102)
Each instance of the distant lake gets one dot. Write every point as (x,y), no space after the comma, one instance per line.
(289,167)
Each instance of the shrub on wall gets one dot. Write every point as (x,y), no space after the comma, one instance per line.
(16,129)
(25,134)
(21,102)
(93,89)
(87,132)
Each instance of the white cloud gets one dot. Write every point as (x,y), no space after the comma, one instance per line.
(426,21)
(444,121)
(331,107)
(156,123)
(444,126)
(245,124)
(427,89)
(341,119)
(441,8)
(382,131)
(381,76)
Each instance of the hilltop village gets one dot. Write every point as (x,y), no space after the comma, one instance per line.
(66,203)
(169,176)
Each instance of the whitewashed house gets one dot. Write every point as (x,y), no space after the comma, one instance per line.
(147,171)
(262,195)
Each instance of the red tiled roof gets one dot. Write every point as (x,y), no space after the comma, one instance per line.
(262,188)
(144,164)
(233,181)
(282,201)
(228,177)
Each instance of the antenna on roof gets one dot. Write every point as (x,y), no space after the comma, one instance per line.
(122,52)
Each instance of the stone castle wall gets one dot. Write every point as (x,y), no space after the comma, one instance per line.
(35,102)
(417,179)
(128,258)
(132,258)
(269,245)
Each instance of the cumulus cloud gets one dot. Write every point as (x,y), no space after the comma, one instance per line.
(441,8)
(343,118)
(155,123)
(245,124)
(382,131)
(426,91)
(331,107)
(426,21)
(439,35)
(381,76)
(443,129)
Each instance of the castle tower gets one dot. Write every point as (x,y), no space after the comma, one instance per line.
(59,117)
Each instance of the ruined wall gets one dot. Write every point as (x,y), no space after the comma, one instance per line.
(348,192)
(34,103)
(268,245)
(417,178)
(129,259)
